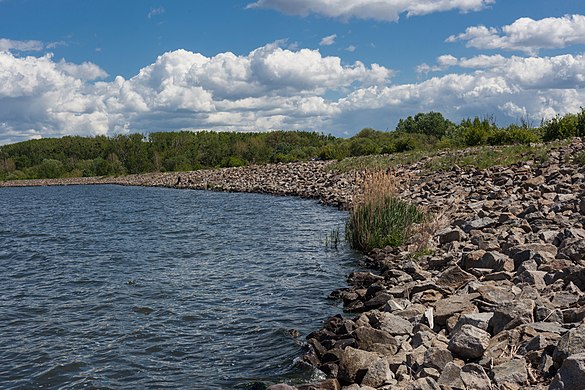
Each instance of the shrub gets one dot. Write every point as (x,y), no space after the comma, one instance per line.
(562,127)
(379,218)
(431,123)
(513,135)
(363,147)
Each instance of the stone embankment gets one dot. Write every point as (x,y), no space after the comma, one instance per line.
(489,295)
(306,179)
(496,300)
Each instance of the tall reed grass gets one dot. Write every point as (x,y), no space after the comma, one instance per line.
(378,218)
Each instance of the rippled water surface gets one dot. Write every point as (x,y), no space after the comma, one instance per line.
(129,287)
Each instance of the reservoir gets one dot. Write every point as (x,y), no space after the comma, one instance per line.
(134,287)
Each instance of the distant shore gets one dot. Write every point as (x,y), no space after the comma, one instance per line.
(304,179)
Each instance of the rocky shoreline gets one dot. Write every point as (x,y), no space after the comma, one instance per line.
(489,295)
(304,179)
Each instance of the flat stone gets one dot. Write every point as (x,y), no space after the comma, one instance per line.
(479,320)
(535,278)
(393,324)
(479,224)
(512,372)
(375,340)
(455,304)
(469,342)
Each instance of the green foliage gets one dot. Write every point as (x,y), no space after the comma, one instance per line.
(359,146)
(563,127)
(381,222)
(431,123)
(580,159)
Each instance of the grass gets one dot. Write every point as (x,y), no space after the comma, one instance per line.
(481,157)
(580,159)
(379,218)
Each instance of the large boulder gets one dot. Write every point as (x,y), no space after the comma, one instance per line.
(356,365)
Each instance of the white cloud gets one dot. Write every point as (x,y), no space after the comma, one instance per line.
(328,40)
(155,11)
(386,10)
(351,48)
(527,35)
(10,44)
(274,88)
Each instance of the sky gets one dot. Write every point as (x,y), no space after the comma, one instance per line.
(109,67)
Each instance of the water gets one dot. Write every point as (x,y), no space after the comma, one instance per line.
(130,287)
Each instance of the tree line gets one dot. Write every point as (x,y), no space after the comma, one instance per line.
(76,156)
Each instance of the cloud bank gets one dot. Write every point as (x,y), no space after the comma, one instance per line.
(527,35)
(384,10)
(274,88)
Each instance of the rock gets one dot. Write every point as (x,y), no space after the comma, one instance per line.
(451,376)
(474,377)
(571,375)
(510,314)
(378,374)
(451,235)
(363,279)
(438,358)
(479,224)
(469,342)
(572,249)
(456,304)
(392,324)
(535,278)
(281,386)
(479,320)
(354,364)
(511,373)
(375,340)
(423,384)
(572,342)
(454,277)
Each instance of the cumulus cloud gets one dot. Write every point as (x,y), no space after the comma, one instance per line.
(385,10)
(273,88)
(527,35)
(328,40)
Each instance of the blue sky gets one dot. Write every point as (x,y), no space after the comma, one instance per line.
(70,67)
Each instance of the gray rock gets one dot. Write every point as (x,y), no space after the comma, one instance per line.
(510,314)
(469,342)
(451,235)
(479,320)
(474,377)
(281,386)
(423,384)
(354,364)
(375,340)
(438,358)
(572,249)
(535,278)
(479,224)
(378,374)
(572,342)
(456,304)
(512,372)
(393,324)
(571,375)
(454,277)
(451,376)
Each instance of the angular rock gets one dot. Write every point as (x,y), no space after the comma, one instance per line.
(354,364)
(511,373)
(375,340)
(510,314)
(479,320)
(451,235)
(469,342)
(572,342)
(474,377)
(454,277)
(571,375)
(378,374)
(451,376)
(456,304)
(438,358)
(393,324)
(479,224)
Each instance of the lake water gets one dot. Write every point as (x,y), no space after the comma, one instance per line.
(131,287)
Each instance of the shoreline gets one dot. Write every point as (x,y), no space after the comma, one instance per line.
(490,294)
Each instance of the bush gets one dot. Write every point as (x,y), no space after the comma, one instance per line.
(562,127)
(363,147)
(513,135)
(432,123)
(380,219)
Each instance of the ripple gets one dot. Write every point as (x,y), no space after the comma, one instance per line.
(115,287)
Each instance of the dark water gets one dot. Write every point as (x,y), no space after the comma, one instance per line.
(126,287)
